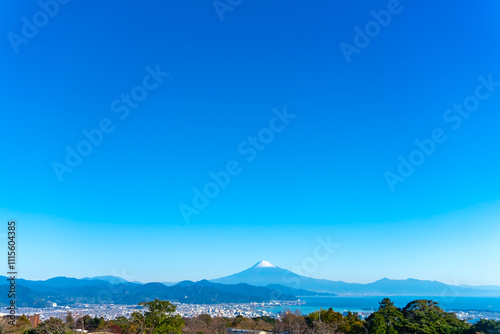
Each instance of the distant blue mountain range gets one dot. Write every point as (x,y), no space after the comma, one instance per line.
(265,273)
(262,282)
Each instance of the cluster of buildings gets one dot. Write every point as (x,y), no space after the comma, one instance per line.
(222,310)
(251,310)
(476,315)
(107,311)
(112,311)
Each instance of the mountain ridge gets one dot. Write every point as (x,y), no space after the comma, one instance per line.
(259,283)
(269,274)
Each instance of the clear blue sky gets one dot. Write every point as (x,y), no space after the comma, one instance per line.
(117,212)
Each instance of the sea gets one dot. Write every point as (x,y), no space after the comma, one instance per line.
(371,303)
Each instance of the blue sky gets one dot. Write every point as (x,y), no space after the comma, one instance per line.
(323,173)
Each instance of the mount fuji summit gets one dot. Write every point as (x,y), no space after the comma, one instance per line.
(268,275)
(261,274)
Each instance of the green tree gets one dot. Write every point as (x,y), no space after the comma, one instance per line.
(486,327)
(352,324)
(324,321)
(159,318)
(69,320)
(127,326)
(387,320)
(23,323)
(376,324)
(425,316)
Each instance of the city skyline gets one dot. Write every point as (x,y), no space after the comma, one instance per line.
(173,141)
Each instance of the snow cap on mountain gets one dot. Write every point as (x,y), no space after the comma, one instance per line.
(264,264)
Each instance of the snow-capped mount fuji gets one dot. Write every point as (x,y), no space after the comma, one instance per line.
(268,275)
(264,264)
(261,274)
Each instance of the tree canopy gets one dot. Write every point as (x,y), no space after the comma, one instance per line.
(417,317)
(159,318)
